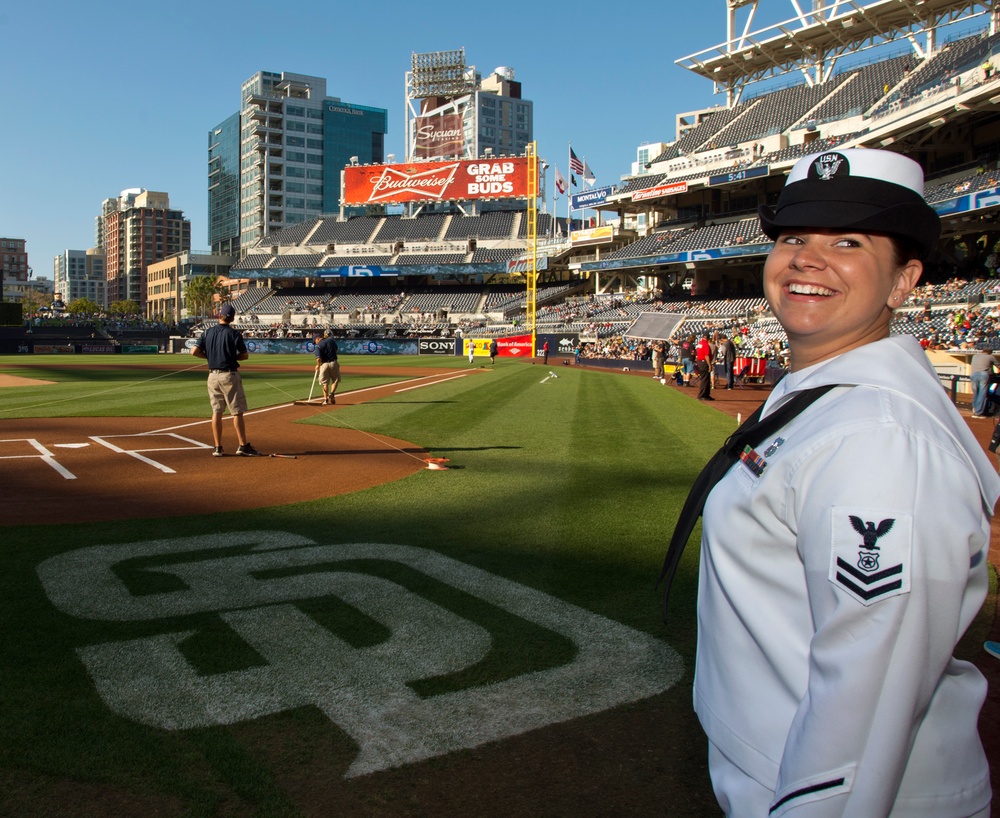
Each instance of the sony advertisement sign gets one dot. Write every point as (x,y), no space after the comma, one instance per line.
(436,346)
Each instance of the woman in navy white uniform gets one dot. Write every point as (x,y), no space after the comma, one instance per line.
(843,560)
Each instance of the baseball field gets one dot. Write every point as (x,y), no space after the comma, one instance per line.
(437,601)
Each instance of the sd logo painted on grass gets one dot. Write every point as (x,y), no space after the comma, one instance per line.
(368,692)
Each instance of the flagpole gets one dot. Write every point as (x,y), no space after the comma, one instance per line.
(569,191)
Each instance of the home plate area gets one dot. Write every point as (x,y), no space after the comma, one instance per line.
(137,446)
(59,470)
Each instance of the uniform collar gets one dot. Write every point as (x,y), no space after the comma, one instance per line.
(898,364)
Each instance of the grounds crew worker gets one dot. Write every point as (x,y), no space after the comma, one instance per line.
(223,347)
(845,555)
(328,366)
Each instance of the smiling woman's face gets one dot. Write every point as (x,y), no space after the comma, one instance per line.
(833,291)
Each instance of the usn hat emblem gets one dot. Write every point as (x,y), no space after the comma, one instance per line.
(827,165)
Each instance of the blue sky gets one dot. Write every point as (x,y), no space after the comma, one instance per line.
(100,97)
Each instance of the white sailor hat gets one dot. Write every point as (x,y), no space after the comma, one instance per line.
(856,189)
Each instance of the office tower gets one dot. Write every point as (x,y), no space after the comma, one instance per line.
(13,264)
(81,274)
(293,141)
(135,230)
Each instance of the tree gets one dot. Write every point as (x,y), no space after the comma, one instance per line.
(83,306)
(34,300)
(123,308)
(199,294)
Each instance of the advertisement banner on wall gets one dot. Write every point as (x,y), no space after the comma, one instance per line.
(590,198)
(354,271)
(436,346)
(346,346)
(436,181)
(438,136)
(561,344)
(594,235)
(659,190)
(515,346)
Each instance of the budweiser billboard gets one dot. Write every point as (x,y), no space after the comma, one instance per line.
(436,181)
(438,136)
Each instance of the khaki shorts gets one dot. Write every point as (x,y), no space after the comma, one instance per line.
(226,389)
(329,373)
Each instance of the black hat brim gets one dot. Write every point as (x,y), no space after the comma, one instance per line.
(866,206)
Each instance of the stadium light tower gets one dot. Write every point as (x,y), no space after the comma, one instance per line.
(438,87)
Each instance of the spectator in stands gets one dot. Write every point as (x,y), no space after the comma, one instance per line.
(825,676)
(982,365)
(223,347)
(328,367)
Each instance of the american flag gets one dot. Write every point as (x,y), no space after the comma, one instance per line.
(575,165)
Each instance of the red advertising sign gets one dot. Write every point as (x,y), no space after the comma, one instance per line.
(438,136)
(515,346)
(659,190)
(436,181)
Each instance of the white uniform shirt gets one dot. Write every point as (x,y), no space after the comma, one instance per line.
(834,585)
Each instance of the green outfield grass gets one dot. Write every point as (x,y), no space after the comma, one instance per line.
(163,385)
(569,487)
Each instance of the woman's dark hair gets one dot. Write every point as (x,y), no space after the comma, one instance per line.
(905,249)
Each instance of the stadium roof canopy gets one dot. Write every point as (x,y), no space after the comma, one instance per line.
(813,40)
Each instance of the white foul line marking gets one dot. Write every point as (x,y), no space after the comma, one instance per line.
(342,394)
(433,383)
(46,456)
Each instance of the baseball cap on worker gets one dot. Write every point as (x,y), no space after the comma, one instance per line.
(227,311)
(863,189)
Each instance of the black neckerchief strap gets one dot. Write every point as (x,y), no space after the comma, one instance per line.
(752,433)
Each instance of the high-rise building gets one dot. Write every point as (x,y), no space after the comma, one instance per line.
(135,230)
(13,267)
(504,122)
(224,187)
(284,151)
(81,274)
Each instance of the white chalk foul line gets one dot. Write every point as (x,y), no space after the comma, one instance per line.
(440,379)
(44,455)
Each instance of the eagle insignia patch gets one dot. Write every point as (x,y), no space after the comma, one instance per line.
(870,558)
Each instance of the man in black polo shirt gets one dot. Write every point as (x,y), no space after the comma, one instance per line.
(223,347)
(328,367)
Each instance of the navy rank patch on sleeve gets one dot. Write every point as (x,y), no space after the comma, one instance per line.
(870,557)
